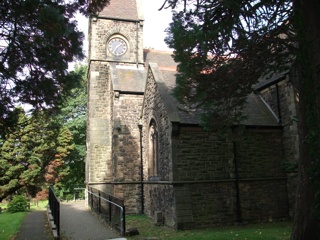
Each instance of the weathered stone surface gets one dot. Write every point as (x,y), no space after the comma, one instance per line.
(201,179)
(288,111)
(102,30)
(205,165)
(99,125)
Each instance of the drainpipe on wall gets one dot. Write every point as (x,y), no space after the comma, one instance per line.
(236,173)
(141,168)
(278,104)
(137,44)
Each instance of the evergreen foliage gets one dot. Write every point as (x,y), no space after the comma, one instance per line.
(37,41)
(19,203)
(74,117)
(223,48)
(38,38)
(32,153)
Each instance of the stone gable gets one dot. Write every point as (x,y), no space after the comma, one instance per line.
(154,108)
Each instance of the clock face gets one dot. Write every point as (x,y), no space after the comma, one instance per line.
(117,46)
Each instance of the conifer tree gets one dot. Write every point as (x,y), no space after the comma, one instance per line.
(38,38)
(32,153)
(74,116)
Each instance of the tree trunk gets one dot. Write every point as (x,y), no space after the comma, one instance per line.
(307,24)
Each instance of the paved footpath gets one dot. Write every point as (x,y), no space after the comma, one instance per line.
(77,223)
(35,227)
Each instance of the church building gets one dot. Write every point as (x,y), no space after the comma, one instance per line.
(141,148)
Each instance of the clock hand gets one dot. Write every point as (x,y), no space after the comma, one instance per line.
(114,50)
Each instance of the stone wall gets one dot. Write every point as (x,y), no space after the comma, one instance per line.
(213,203)
(260,154)
(288,114)
(99,127)
(126,150)
(213,167)
(212,180)
(126,137)
(155,109)
(200,155)
(205,164)
(130,192)
(264,200)
(159,201)
(263,181)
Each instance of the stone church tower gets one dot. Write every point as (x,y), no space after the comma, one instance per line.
(115,92)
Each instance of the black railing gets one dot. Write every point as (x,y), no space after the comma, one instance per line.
(54,206)
(110,208)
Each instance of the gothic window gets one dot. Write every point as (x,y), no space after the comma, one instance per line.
(153,150)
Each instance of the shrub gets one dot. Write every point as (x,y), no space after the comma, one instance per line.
(18,204)
(42,195)
(69,197)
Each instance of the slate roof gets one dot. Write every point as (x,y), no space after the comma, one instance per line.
(164,59)
(164,69)
(133,79)
(256,111)
(116,10)
(128,80)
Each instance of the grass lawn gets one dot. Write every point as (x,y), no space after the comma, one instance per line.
(10,222)
(267,231)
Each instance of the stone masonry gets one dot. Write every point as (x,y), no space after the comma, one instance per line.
(99,127)
(282,99)
(126,150)
(113,138)
(210,179)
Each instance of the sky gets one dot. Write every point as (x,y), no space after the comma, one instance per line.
(155,23)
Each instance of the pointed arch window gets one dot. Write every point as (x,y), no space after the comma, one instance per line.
(153,150)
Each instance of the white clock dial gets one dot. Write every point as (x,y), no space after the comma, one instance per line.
(117,46)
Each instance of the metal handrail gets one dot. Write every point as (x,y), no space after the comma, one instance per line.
(122,209)
(106,200)
(54,206)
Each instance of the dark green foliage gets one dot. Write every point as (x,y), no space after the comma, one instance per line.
(38,40)
(74,117)
(19,203)
(222,48)
(32,153)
